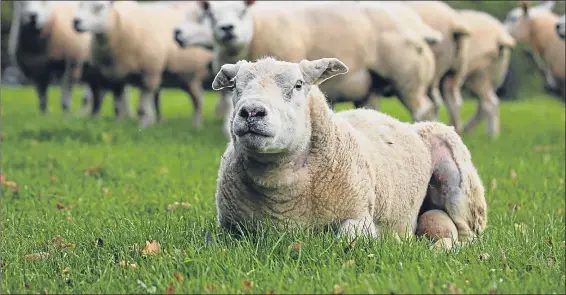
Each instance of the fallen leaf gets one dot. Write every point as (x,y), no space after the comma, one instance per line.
(484,257)
(60,206)
(44,291)
(209,287)
(521,227)
(36,256)
(513,174)
(12,185)
(296,247)
(68,245)
(543,148)
(178,276)
(492,291)
(337,290)
(2,179)
(67,270)
(69,218)
(170,289)
(152,247)
(186,205)
(453,289)
(57,240)
(493,184)
(127,264)
(3,262)
(176,205)
(247,284)
(92,170)
(53,179)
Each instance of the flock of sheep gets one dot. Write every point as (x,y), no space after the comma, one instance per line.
(423,52)
(290,156)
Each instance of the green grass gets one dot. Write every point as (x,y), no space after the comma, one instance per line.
(140,173)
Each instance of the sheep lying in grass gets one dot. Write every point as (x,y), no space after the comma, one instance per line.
(487,64)
(561,27)
(449,54)
(537,27)
(45,45)
(121,51)
(244,30)
(293,160)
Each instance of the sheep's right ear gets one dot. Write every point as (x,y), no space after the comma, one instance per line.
(226,75)
(204,5)
(320,70)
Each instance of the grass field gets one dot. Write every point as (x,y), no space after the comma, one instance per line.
(105,186)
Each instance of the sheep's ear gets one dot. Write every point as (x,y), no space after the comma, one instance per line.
(317,71)
(525,7)
(226,75)
(249,3)
(204,5)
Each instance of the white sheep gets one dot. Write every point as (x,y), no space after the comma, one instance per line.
(120,50)
(536,27)
(487,65)
(294,161)
(561,27)
(449,54)
(44,45)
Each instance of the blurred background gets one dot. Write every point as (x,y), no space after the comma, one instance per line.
(523,79)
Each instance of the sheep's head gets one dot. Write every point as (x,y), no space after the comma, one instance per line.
(35,14)
(194,31)
(271,106)
(517,21)
(230,21)
(561,27)
(92,16)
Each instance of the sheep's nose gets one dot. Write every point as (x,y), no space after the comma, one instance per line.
(76,23)
(177,34)
(248,112)
(557,27)
(33,17)
(227,28)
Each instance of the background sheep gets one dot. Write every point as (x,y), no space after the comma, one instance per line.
(294,160)
(537,27)
(488,61)
(244,31)
(449,54)
(44,45)
(121,53)
(561,27)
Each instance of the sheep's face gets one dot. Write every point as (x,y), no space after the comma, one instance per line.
(271,106)
(190,33)
(93,16)
(35,13)
(517,21)
(561,27)
(230,21)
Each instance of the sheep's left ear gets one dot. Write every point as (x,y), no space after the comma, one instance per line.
(525,7)
(249,3)
(320,70)
(226,75)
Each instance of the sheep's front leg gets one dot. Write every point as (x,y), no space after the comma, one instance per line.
(364,226)
(70,76)
(146,111)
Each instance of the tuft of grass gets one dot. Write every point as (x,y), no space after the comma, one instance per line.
(105,186)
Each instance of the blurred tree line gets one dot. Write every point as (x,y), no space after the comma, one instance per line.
(523,77)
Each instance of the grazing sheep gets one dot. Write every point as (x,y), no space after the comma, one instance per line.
(561,27)
(449,54)
(242,30)
(44,45)
(536,27)
(487,64)
(293,160)
(120,50)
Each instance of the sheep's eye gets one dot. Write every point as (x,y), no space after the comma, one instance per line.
(299,85)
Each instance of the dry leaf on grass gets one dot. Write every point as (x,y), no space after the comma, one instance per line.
(58,240)
(12,185)
(66,270)
(127,264)
(176,205)
(521,227)
(178,276)
(92,170)
(248,285)
(36,256)
(151,248)
(484,257)
(170,289)
(44,291)
(492,291)
(348,263)
(493,184)
(453,289)
(338,290)
(60,205)
(296,247)
(209,287)
(69,218)
(53,179)
(543,148)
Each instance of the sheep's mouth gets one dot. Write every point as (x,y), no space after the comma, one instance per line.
(252,132)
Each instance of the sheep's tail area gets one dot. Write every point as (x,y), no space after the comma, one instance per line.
(461,192)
